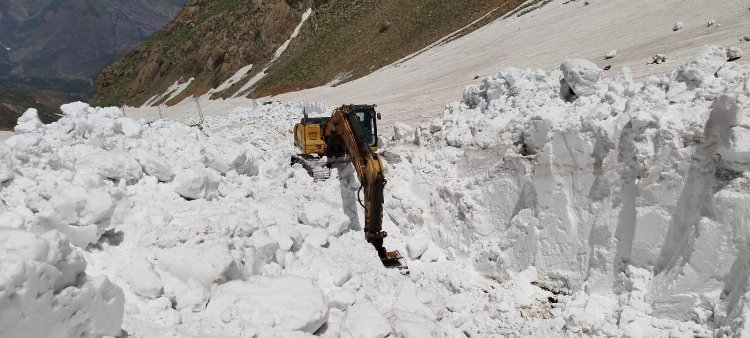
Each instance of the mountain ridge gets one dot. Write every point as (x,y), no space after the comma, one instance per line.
(53,50)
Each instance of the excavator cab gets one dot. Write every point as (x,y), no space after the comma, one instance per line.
(369,126)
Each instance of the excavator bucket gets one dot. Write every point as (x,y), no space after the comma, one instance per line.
(394,260)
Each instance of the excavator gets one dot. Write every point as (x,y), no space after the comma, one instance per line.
(350,134)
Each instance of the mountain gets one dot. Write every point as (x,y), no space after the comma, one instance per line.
(210,41)
(61,46)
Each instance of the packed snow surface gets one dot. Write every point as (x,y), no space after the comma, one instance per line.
(544,203)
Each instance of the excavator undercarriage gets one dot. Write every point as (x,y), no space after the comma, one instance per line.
(350,134)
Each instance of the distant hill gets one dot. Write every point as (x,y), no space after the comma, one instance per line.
(56,48)
(342,40)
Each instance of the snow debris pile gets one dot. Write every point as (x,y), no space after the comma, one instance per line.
(631,202)
(543,203)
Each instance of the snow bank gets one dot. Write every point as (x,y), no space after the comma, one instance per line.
(633,189)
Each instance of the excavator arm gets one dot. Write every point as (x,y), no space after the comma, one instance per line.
(351,132)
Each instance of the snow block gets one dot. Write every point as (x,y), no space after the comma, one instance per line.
(154,165)
(128,127)
(286,302)
(363,320)
(324,216)
(143,280)
(80,213)
(225,155)
(581,75)
(115,165)
(28,122)
(196,183)
(691,75)
(417,246)
(44,291)
(403,131)
(6,164)
(207,263)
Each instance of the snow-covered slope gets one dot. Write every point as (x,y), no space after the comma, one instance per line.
(569,202)
(414,90)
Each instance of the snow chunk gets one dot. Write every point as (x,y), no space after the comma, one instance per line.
(128,127)
(679,25)
(417,246)
(611,54)
(196,183)
(403,131)
(734,53)
(690,76)
(287,302)
(324,216)
(581,75)
(78,212)
(44,291)
(154,165)
(207,262)
(363,320)
(116,165)
(224,155)
(143,279)
(6,164)
(28,122)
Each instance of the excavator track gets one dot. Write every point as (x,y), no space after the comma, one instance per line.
(317,167)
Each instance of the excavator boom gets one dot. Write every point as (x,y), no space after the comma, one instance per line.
(350,133)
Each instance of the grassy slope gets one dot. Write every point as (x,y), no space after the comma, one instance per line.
(354,37)
(358,37)
(208,40)
(14,101)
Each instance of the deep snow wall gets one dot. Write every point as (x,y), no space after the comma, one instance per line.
(638,190)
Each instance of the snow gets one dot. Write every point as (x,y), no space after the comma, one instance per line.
(28,122)
(195,183)
(289,303)
(239,75)
(734,53)
(173,91)
(364,321)
(581,76)
(522,210)
(45,292)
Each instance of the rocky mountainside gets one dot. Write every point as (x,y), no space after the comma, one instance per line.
(210,41)
(56,48)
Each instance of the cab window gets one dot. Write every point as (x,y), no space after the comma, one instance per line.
(366,124)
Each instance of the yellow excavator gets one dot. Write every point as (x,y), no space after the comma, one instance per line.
(350,134)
